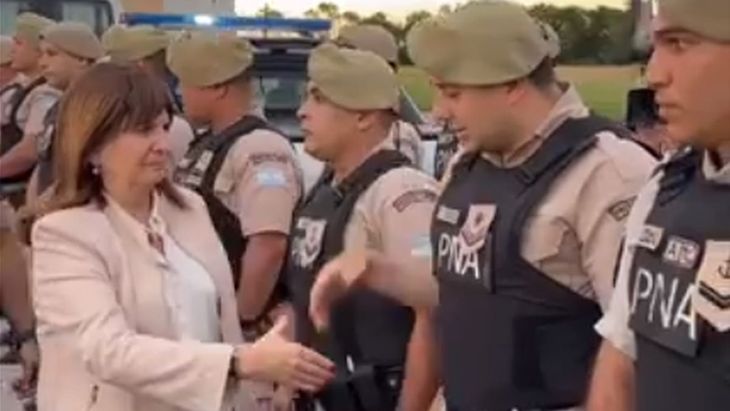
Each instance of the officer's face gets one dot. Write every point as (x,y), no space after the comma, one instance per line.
(138,158)
(481,116)
(198,102)
(60,68)
(25,54)
(326,126)
(690,75)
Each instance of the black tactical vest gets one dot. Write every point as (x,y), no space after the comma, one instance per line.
(511,336)
(199,169)
(45,146)
(367,327)
(683,363)
(11,132)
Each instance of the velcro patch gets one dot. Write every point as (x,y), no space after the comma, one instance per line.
(409,198)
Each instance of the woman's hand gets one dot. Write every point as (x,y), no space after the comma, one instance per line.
(275,359)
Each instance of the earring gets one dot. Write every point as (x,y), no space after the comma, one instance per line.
(95,170)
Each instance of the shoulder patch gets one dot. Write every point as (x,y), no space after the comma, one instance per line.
(270,157)
(620,210)
(411,197)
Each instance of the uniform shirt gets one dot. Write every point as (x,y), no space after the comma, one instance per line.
(190,293)
(393,216)
(614,326)
(32,112)
(260,181)
(5,98)
(574,235)
(181,135)
(407,140)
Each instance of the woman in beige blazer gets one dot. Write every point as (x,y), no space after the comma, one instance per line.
(132,290)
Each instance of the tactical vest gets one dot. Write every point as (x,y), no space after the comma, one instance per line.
(512,337)
(46,143)
(683,363)
(198,171)
(11,132)
(366,327)
(446,147)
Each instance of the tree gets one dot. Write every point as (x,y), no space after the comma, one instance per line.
(351,18)
(268,12)
(415,18)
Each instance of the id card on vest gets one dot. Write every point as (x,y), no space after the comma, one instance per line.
(712,297)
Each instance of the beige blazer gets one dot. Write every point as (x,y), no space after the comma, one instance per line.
(106,337)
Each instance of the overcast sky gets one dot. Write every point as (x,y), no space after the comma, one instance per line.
(397,8)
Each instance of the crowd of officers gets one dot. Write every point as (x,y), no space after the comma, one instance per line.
(556,266)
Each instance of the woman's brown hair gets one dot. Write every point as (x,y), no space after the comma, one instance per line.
(107,100)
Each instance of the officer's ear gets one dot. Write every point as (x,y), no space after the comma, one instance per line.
(367,120)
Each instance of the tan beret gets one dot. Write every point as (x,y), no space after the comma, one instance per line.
(6,50)
(111,41)
(483,43)
(135,43)
(552,38)
(372,38)
(354,79)
(204,59)
(29,26)
(76,39)
(709,18)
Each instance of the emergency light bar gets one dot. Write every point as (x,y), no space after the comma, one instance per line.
(180,21)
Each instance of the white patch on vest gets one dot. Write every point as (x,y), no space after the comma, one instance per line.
(455,257)
(271,177)
(421,246)
(204,161)
(475,228)
(309,246)
(681,252)
(650,237)
(664,302)
(448,215)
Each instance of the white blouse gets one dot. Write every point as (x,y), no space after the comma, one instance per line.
(190,293)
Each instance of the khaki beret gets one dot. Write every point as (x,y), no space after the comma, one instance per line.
(135,43)
(372,38)
(483,43)
(76,39)
(354,79)
(203,59)
(111,40)
(29,26)
(708,18)
(552,38)
(6,50)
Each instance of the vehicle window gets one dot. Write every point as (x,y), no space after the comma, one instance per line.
(279,96)
(92,13)
(9,10)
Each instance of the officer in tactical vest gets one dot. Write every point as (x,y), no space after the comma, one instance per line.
(371,196)
(526,231)
(246,171)
(147,47)
(25,104)
(68,50)
(380,41)
(667,331)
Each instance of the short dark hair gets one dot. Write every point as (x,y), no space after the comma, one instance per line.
(543,76)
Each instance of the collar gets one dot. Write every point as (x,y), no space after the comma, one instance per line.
(570,105)
(714,172)
(141,232)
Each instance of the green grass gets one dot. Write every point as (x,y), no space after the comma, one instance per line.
(603,88)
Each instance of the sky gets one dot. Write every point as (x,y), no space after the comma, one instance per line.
(396,8)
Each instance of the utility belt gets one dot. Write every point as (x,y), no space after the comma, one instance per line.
(366,388)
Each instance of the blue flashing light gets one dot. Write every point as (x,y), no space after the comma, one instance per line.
(224,22)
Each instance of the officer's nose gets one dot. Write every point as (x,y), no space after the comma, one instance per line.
(657,71)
